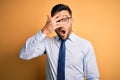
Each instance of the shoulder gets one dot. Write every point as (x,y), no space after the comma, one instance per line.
(51,39)
(83,42)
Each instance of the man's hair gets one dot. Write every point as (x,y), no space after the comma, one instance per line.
(60,7)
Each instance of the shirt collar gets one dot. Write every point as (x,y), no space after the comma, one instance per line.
(72,37)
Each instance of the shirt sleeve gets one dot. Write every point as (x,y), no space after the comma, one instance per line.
(33,47)
(90,65)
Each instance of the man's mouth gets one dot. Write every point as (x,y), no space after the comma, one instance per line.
(62,31)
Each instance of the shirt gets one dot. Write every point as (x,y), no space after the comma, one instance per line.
(80,58)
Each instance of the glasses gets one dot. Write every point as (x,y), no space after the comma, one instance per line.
(65,19)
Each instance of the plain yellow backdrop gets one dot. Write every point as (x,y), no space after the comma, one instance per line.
(95,20)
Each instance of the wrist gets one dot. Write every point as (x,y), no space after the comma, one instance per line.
(43,31)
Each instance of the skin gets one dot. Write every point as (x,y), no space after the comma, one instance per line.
(63,30)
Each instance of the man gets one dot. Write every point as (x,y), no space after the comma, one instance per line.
(69,57)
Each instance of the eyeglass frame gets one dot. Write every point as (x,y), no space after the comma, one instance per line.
(62,20)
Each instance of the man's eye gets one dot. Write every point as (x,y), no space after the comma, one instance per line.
(59,21)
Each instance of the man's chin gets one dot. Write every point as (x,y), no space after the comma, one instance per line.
(63,37)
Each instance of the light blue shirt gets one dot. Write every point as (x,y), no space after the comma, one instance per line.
(80,58)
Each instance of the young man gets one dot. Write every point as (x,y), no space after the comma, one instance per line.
(69,57)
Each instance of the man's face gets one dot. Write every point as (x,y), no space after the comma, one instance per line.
(65,30)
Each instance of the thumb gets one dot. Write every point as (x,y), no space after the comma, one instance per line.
(48,18)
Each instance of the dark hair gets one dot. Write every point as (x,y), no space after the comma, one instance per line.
(60,7)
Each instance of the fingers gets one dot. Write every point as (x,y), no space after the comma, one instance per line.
(48,18)
(57,17)
(52,21)
(60,24)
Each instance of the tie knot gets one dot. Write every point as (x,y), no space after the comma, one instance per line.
(63,41)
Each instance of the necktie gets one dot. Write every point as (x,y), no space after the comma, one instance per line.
(61,62)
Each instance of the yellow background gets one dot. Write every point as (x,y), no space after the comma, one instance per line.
(95,20)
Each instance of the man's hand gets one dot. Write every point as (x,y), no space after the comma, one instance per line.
(52,24)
